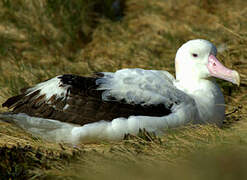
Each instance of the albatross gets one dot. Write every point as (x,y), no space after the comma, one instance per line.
(108,105)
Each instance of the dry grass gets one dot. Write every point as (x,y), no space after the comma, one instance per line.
(147,37)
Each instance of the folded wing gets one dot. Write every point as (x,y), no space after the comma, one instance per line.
(105,96)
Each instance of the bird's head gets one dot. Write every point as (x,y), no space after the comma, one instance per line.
(196,59)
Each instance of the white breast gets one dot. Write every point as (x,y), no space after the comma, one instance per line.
(209,101)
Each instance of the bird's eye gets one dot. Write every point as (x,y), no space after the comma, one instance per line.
(195,55)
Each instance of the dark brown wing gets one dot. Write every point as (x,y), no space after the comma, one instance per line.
(81,104)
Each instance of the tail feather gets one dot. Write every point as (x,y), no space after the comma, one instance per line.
(46,128)
(12,101)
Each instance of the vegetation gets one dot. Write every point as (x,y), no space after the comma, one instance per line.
(43,38)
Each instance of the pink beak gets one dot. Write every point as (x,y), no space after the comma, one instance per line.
(218,70)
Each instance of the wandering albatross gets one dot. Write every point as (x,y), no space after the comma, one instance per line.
(109,105)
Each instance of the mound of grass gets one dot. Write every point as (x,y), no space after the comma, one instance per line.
(205,152)
(23,162)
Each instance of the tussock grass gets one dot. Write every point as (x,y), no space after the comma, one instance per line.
(41,39)
(202,153)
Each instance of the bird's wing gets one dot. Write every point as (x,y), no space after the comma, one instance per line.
(106,96)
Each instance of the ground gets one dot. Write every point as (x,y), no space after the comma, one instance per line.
(37,44)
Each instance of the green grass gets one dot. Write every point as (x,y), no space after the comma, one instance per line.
(43,38)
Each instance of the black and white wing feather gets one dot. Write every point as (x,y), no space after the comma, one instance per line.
(105,96)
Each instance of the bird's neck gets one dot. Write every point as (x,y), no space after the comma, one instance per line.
(191,83)
(208,97)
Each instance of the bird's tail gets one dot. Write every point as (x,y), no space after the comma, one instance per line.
(46,128)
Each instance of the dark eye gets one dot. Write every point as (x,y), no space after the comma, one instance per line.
(195,55)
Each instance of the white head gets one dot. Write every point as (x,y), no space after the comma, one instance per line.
(196,60)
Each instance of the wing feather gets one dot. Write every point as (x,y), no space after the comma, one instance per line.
(105,96)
